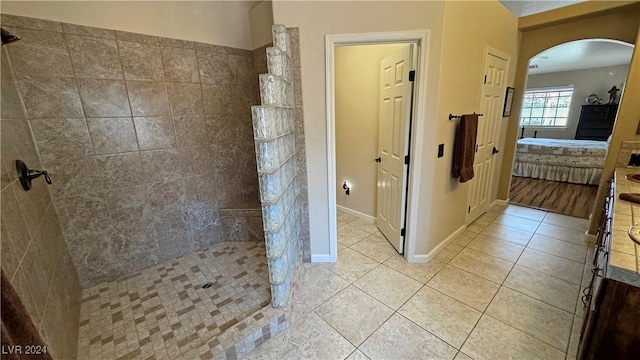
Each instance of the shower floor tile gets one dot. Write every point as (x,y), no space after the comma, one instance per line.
(164,312)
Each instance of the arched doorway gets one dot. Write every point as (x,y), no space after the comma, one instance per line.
(569,106)
(618,24)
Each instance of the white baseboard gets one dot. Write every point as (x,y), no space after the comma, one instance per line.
(498,203)
(322,258)
(442,245)
(589,238)
(418,259)
(358,214)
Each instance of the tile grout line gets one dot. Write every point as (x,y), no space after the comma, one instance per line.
(573,314)
(527,247)
(500,287)
(502,284)
(553,276)
(456,300)
(425,285)
(187,318)
(126,89)
(492,298)
(357,347)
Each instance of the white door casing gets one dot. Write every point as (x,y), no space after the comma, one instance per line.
(496,68)
(420,153)
(393,146)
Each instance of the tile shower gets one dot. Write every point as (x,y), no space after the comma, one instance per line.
(149,142)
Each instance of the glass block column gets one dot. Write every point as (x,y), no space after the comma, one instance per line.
(273,131)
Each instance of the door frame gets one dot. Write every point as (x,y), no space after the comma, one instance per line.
(421,38)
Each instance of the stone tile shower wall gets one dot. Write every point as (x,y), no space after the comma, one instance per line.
(35,256)
(146,138)
(274,133)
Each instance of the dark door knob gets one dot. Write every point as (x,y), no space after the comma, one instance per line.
(378,159)
(495,151)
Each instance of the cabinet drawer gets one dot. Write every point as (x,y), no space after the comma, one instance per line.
(596,124)
(591,136)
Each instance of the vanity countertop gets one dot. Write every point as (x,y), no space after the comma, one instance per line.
(624,258)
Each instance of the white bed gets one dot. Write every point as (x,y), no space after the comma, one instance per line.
(574,161)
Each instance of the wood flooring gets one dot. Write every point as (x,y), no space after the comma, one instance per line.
(558,197)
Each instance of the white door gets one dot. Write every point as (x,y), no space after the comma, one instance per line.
(491,104)
(395,103)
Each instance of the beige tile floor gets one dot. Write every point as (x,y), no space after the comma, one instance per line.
(508,287)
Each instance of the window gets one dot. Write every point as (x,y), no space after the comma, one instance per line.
(546,107)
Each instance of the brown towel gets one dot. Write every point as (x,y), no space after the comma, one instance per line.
(464,148)
(633,197)
(17,328)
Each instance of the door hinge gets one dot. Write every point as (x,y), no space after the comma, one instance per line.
(469,209)
(406,159)
(485,79)
(402,232)
(412,75)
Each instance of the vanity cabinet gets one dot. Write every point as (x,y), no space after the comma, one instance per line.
(611,327)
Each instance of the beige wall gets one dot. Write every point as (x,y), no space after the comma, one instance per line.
(215,22)
(464,45)
(357,86)
(315,20)
(585,82)
(261,19)
(454,83)
(625,128)
(619,24)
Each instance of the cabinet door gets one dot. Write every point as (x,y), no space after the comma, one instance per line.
(591,293)
(613,331)
(587,334)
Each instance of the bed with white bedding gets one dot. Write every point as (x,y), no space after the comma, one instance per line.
(574,161)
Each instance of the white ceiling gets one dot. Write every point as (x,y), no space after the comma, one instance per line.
(581,54)
(522,8)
